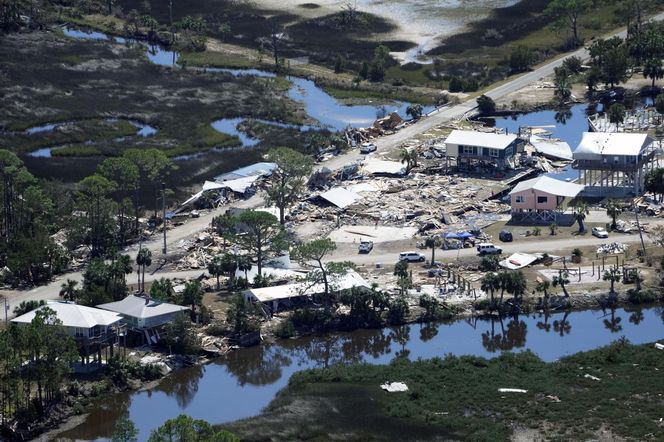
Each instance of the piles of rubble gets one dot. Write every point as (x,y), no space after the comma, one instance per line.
(612,249)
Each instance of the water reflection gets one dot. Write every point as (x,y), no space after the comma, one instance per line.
(252,377)
(511,337)
(260,365)
(184,388)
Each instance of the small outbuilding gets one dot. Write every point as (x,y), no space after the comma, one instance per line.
(541,198)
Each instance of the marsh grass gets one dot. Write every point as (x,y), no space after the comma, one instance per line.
(458,396)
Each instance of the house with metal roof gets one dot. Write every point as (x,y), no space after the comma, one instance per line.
(467,148)
(615,164)
(541,198)
(78,321)
(145,315)
(94,330)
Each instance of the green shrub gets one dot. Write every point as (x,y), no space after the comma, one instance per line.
(285,329)
(642,296)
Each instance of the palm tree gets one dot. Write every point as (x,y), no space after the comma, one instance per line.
(143,260)
(562,280)
(613,210)
(517,285)
(433,242)
(653,69)
(504,282)
(544,287)
(581,211)
(229,264)
(192,295)
(490,283)
(244,264)
(409,158)
(401,272)
(612,275)
(215,268)
(68,290)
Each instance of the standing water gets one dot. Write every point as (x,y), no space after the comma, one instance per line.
(241,384)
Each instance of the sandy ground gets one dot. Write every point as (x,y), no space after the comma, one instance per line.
(434,18)
(377,234)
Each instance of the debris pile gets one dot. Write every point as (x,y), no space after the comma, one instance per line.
(612,248)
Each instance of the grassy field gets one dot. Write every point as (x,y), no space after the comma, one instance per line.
(457,398)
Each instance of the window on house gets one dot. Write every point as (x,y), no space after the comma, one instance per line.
(495,153)
(520,199)
(468,149)
(542,199)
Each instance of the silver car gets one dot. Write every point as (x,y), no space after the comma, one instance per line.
(600,232)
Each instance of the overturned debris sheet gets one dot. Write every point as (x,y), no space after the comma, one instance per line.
(555,149)
(519,260)
(340,197)
(394,387)
(382,167)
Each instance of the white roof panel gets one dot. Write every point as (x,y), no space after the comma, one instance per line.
(480,139)
(384,167)
(557,149)
(139,307)
(340,197)
(549,185)
(595,144)
(74,315)
(344,282)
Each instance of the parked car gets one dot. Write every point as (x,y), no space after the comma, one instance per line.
(505,236)
(367,148)
(487,248)
(412,257)
(600,232)
(195,214)
(365,246)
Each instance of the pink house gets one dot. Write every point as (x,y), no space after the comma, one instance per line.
(541,197)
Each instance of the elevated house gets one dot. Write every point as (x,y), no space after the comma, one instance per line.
(93,329)
(468,148)
(285,296)
(614,164)
(145,316)
(541,198)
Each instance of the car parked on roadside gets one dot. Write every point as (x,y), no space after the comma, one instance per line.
(368,148)
(599,232)
(486,248)
(412,257)
(505,236)
(365,246)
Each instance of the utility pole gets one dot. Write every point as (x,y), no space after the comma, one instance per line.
(6,309)
(163,212)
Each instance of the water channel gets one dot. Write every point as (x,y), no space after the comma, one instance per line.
(319,105)
(242,383)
